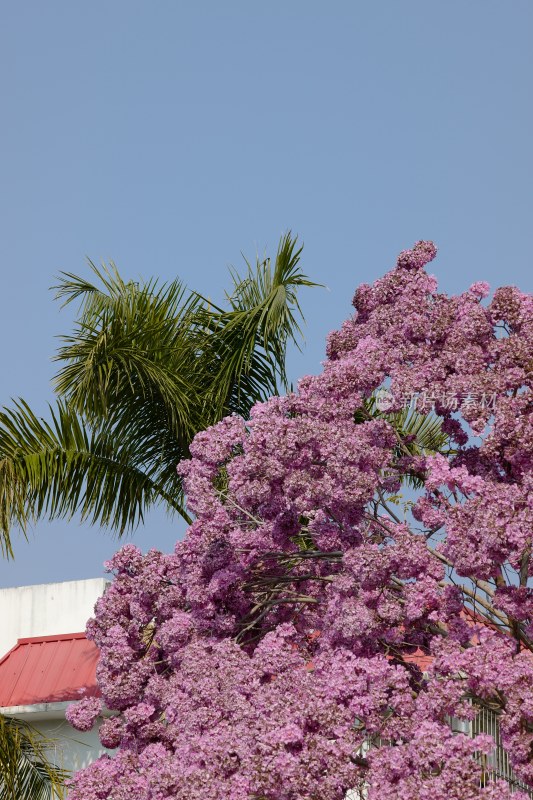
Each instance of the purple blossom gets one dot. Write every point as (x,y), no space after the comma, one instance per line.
(83,714)
(310,611)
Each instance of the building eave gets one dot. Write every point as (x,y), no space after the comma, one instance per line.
(36,712)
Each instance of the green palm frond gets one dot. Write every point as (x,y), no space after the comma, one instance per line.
(147,366)
(89,295)
(132,343)
(26,772)
(418,434)
(58,468)
(270,296)
(249,341)
(426,429)
(423,432)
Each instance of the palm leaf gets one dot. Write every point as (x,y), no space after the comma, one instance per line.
(426,429)
(249,341)
(55,469)
(25,769)
(423,431)
(147,366)
(418,434)
(148,343)
(131,343)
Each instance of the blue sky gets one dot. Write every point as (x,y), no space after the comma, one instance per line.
(171,136)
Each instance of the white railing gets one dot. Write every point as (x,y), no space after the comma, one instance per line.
(496,765)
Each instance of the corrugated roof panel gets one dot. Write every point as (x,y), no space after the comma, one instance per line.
(48,669)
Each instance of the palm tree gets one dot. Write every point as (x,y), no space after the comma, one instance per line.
(147,366)
(26,772)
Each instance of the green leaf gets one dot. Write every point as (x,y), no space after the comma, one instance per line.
(53,470)
(249,341)
(26,772)
(146,367)
(418,434)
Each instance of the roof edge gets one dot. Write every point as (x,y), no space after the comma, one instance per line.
(61,637)
(43,711)
(53,637)
(37,710)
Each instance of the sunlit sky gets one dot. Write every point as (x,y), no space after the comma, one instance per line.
(172,136)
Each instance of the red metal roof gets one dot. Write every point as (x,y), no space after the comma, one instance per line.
(48,669)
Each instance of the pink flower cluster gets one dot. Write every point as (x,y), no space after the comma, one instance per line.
(83,715)
(315,631)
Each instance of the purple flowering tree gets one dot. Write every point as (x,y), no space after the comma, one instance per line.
(354,591)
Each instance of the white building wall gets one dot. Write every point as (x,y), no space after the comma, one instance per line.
(72,750)
(46,609)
